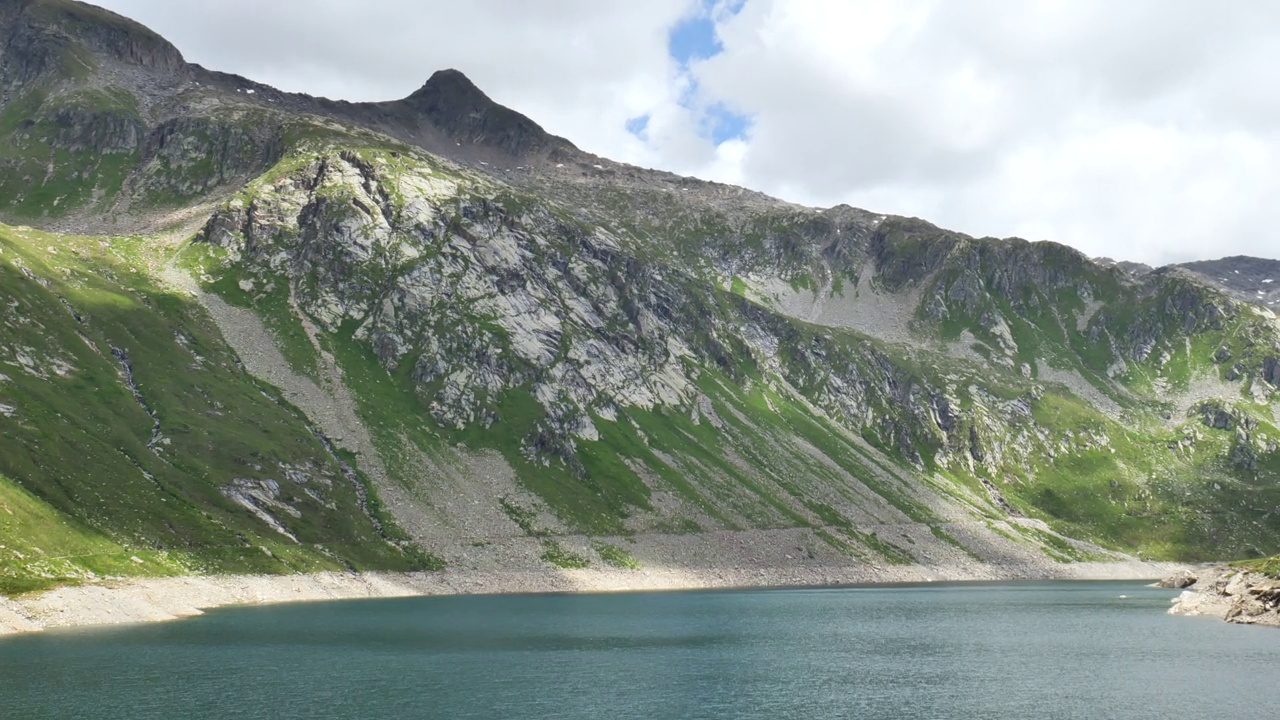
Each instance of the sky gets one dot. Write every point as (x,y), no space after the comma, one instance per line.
(1147,130)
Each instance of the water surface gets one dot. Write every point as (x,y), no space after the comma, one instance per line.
(1044,650)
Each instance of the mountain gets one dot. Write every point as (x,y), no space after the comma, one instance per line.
(1255,280)
(263,332)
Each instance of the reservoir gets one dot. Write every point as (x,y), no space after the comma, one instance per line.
(1000,650)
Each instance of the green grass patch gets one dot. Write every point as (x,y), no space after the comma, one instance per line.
(1269,566)
(556,555)
(616,557)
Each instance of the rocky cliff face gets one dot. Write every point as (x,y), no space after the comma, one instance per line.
(45,41)
(529,355)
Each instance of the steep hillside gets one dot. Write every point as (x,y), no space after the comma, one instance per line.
(134,440)
(299,333)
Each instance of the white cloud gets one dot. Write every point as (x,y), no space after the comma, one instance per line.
(1144,130)
(1147,130)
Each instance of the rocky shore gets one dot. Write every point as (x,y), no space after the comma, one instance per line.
(1233,594)
(138,600)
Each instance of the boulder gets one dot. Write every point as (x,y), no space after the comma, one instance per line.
(1179,580)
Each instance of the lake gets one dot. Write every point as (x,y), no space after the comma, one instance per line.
(999,650)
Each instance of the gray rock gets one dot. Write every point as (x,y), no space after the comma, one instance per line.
(1179,580)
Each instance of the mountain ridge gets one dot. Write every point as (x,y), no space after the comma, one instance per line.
(447,91)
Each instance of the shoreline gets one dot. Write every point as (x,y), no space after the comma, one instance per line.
(1232,594)
(139,600)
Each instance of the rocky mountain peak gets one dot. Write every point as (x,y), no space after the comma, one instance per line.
(454,104)
(452,84)
(41,30)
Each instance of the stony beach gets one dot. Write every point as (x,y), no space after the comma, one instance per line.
(136,600)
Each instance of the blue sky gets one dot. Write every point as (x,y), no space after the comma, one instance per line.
(692,39)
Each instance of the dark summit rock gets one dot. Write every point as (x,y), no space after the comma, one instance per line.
(41,38)
(460,109)
(113,35)
(1256,280)
(1271,370)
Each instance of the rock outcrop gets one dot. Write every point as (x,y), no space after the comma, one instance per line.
(1179,580)
(1233,594)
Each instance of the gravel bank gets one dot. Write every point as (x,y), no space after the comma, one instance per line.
(152,599)
(1233,595)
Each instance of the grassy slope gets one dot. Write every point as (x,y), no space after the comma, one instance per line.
(1137,492)
(74,448)
(40,546)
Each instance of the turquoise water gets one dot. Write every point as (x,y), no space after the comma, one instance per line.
(1042,650)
